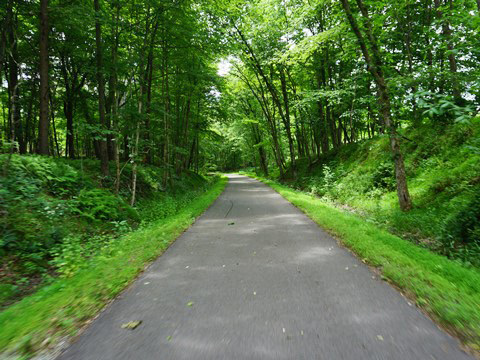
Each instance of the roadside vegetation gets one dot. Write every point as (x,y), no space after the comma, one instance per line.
(57,213)
(94,271)
(443,170)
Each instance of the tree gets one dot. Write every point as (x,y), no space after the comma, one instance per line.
(44,115)
(101,88)
(375,65)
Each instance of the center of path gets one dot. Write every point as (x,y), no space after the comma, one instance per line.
(254,278)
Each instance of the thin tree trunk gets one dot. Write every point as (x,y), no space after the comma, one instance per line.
(101,88)
(114,101)
(148,80)
(28,120)
(135,154)
(134,158)
(55,138)
(166,113)
(16,130)
(452,62)
(70,138)
(286,121)
(43,125)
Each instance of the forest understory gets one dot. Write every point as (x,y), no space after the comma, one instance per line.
(59,213)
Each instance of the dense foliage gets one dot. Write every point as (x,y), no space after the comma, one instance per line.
(55,215)
(127,82)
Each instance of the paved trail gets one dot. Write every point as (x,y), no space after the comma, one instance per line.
(266,283)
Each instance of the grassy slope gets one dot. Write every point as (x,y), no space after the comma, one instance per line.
(443,174)
(63,307)
(449,292)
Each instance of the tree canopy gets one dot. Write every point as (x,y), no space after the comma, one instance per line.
(138,81)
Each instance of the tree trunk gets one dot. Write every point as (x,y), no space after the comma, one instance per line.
(43,124)
(70,138)
(6,24)
(135,155)
(321,84)
(261,150)
(286,121)
(452,62)
(16,130)
(166,113)
(375,65)
(148,108)
(101,88)
(114,100)
(55,138)
(28,121)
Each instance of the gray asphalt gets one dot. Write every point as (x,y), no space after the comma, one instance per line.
(266,283)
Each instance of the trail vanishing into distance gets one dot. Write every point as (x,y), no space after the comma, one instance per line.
(254,278)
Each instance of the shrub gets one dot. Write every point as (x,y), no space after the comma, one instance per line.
(464,227)
(99,204)
(384,177)
(70,256)
(7,291)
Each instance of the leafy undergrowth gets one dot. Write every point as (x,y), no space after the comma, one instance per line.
(443,171)
(444,288)
(55,213)
(60,309)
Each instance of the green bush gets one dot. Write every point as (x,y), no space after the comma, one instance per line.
(99,204)
(74,251)
(383,177)
(7,291)
(464,226)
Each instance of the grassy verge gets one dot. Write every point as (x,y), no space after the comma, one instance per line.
(62,308)
(442,167)
(449,292)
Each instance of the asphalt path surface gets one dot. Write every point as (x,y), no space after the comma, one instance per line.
(254,278)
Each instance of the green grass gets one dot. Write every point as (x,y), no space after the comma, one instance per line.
(448,291)
(63,307)
(443,167)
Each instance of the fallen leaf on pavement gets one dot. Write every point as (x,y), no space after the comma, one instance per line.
(131,325)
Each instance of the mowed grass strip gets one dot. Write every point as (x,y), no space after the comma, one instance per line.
(63,307)
(445,289)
